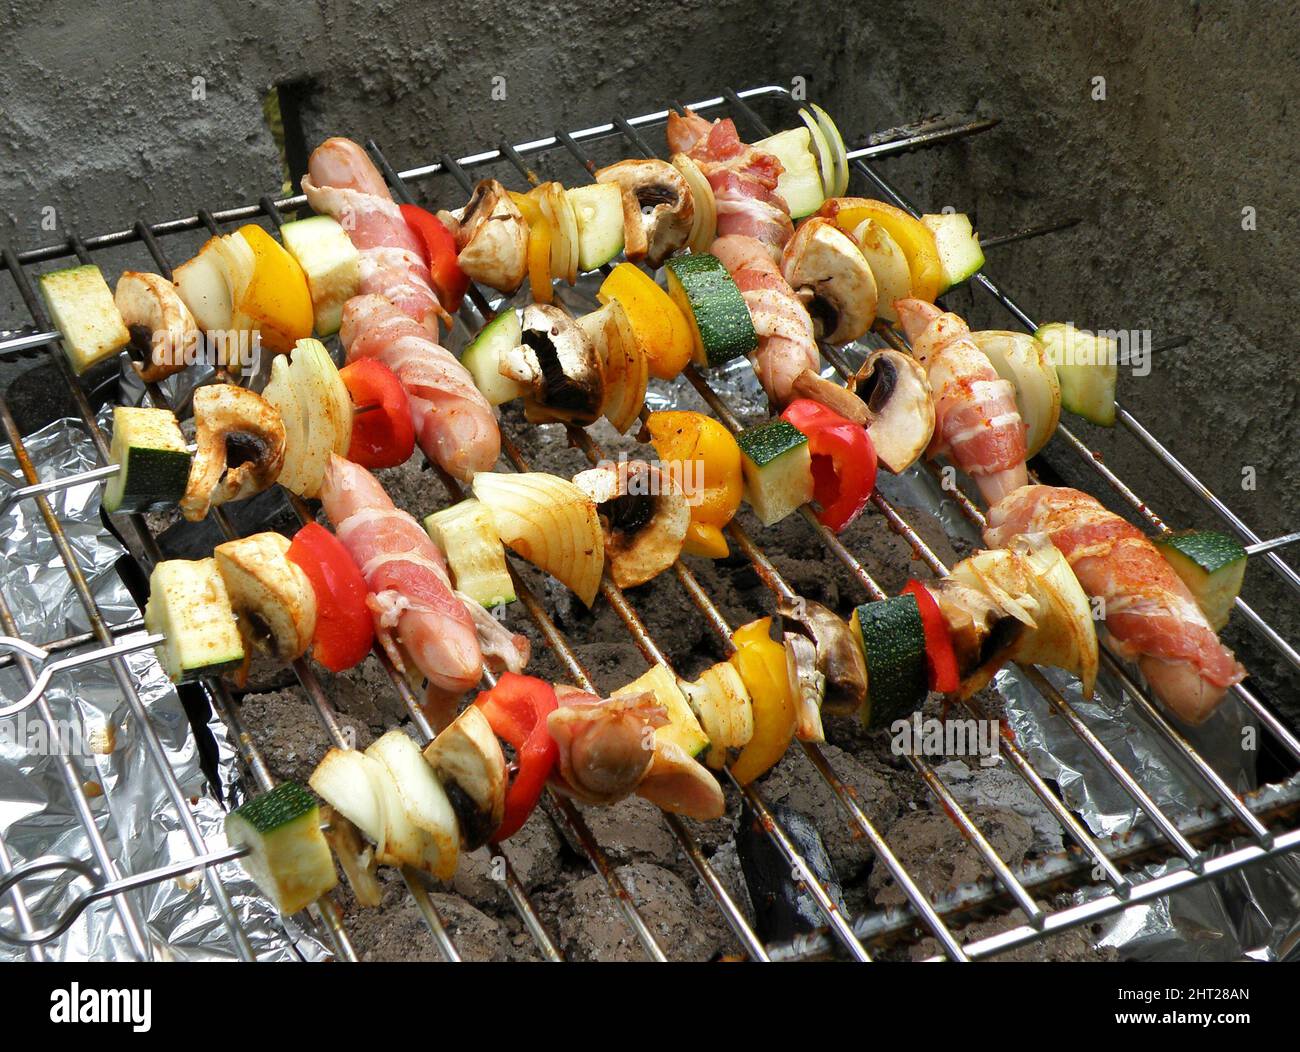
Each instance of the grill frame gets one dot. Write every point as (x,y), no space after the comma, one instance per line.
(1007,888)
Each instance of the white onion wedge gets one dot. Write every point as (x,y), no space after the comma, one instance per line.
(704,225)
(550,522)
(314,404)
(342,779)
(422,796)
(822,149)
(839,152)
(1024,362)
(627,369)
(202,285)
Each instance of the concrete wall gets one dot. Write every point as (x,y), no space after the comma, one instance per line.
(99,120)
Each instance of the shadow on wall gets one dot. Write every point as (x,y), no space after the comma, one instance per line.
(1123,114)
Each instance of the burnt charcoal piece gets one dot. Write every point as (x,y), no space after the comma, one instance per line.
(782,909)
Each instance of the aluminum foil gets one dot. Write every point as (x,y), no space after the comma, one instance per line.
(99,734)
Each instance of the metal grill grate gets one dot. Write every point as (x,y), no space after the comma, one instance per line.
(1262,822)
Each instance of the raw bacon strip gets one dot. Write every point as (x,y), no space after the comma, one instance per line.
(454,423)
(417,617)
(342,182)
(976,419)
(1151,616)
(786,344)
(743,179)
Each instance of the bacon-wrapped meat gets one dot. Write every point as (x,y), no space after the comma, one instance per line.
(606,746)
(786,345)
(1150,615)
(417,617)
(342,182)
(976,419)
(743,179)
(454,423)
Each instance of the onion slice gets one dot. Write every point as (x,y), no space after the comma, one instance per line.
(839,152)
(550,522)
(822,149)
(704,225)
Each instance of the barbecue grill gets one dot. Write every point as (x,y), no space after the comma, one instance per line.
(1236,831)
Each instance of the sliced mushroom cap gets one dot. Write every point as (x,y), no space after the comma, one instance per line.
(468,761)
(240,448)
(833,279)
(161,326)
(810,384)
(897,394)
(271,596)
(643,514)
(657,208)
(839,658)
(491,237)
(558,366)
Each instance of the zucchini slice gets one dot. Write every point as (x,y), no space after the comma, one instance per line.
(288,858)
(467,535)
(960,254)
(777,465)
(82,309)
(892,638)
(1211,564)
(483,358)
(800,184)
(598,208)
(150,450)
(720,323)
(721,703)
(683,728)
(331,263)
(188,604)
(1087,367)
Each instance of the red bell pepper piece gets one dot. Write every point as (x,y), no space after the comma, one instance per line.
(516,708)
(843,461)
(940,657)
(345,631)
(383,434)
(449,281)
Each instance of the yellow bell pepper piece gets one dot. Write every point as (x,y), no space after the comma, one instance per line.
(276,300)
(761,662)
(658,322)
(704,457)
(539,248)
(913,237)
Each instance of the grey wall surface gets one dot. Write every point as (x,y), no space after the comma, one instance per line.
(99,119)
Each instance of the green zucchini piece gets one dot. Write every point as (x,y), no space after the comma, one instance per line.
(155,464)
(720,323)
(1087,368)
(800,184)
(777,465)
(468,536)
(683,728)
(892,637)
(960,254)
(1211,564)
(189,605)
(82,309)
(288,858)
(331,263)
(482,358)
(598,208)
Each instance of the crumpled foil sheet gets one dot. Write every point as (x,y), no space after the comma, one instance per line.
(128,799)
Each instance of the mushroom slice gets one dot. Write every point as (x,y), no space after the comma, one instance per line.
(897,394)
(558,366)
(161,326)
(643,515)
(491,237)
(271,596)
(833,279)
(468,761)
(811,384)
(240,440)
(982,634)
(839,658)
(658,210)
